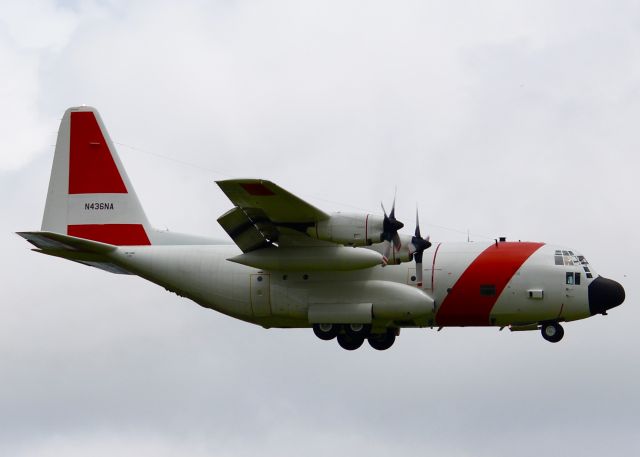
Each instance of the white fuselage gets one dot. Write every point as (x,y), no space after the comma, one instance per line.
(537,291)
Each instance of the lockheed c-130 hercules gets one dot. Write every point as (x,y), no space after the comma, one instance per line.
(352,277)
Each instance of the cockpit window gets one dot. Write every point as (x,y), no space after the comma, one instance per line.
(582,261)
(558,258)
(570,258)
(567,258)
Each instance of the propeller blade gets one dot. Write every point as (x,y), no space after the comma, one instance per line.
(397,244)
(386,252)
(419,274)
(393,206)
(390,226)
(419,245)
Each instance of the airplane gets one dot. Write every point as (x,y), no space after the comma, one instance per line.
(350,277)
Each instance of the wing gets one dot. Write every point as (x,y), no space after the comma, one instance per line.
(278,205)
(270,226)
(265,213)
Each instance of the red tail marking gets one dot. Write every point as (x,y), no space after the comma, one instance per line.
(495,266)
(257,189)
(91,166)
(117,234)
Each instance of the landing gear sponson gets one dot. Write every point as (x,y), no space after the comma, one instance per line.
(352,336)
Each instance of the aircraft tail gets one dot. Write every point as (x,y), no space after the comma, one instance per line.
(90,195)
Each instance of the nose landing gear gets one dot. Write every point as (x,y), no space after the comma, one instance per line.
(552,331)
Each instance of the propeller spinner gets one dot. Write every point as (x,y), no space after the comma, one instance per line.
(417,246)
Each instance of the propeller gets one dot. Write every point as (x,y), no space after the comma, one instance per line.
(417,246)
(390,227)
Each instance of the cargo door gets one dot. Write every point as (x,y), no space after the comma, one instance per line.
(260,294)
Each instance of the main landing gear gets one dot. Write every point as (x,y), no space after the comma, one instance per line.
(552,331)
(352,336)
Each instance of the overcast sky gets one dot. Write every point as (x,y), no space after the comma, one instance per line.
(506,118)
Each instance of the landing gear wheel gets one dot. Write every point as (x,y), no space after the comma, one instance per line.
(350,342)
(552,331)
(382,341)
(326,331)
(361,330)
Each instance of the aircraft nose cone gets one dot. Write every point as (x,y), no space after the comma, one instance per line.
(604,294)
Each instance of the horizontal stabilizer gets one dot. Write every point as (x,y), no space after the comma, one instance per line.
(86,252)
(57,241)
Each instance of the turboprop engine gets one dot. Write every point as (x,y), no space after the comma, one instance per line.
(380,234)
(361,230)
(350,229)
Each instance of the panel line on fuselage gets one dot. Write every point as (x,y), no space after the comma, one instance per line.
(433,266)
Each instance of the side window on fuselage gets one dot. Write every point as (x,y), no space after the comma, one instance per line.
(487,290)
(573,278)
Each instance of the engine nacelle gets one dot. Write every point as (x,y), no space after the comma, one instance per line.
(330,258)
(396,257)
(349,229)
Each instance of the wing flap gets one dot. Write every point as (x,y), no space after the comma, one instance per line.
(242,229)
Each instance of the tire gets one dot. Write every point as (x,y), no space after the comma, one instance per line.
(552,332)
(350,342)
(382,341)
(362,330)
(326,332)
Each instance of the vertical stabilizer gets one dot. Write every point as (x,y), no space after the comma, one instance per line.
(90,195)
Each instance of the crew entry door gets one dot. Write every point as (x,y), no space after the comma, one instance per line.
(260,295)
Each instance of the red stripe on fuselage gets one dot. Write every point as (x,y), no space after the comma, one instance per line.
(495,266)
(92,169)
(117,234)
